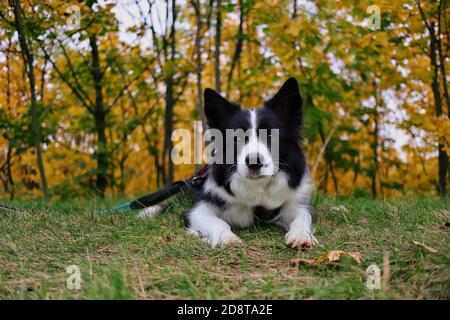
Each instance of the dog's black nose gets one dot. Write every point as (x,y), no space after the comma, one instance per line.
(254,161)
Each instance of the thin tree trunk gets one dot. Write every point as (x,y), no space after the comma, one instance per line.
(10,180)
(168,129)
(294,10)
(238,50)
(375,143)
(9,187)
(122,174)
(35,123)
(101,154)
(169,99)
(442,155)
(335,180)
(443,161)
(198,60)
(218,40)
(328,160)
(325,180)
(442,58)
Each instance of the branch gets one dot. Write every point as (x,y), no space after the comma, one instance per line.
(66,81)
(3,17)
(424,18)
(125,88)
(74,76)
(237,52)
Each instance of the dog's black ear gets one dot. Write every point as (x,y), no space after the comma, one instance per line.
(217,108)
(287,103)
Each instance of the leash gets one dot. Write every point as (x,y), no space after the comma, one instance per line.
(194,182)
(157,197)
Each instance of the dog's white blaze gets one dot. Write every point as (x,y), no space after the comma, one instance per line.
(255,146)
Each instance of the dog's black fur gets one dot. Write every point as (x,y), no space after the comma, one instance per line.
(283,112)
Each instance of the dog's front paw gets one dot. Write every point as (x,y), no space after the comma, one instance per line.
(225,238)
(150,212)
(300,241)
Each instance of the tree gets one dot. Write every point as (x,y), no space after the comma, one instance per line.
(109,94)
(198,59)
(435,51)
(217,42)
(28,56)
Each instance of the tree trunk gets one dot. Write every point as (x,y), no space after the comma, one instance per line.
(169,100)
(375,143)
(329,168)
(218,40)
(9,177)
(238,50)
(101,154)
(35,122)
(442,155)
(442,58)
(9,182)
(335,180)
(443,161)
(294,9)
(325,178)
(168,129)
(198,60)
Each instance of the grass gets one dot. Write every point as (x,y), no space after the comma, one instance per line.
(124,257)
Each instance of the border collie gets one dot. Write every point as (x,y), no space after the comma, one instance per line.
(255,186)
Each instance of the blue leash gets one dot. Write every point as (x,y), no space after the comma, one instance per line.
(123,208)
(154,198)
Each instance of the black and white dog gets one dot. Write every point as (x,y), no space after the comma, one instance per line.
(256,186)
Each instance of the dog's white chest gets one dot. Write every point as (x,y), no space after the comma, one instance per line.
(270,193)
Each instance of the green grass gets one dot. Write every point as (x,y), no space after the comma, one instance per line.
(124,257)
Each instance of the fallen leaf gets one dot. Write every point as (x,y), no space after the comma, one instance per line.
(356,256)
(330,256)
(424,246)
(335,256)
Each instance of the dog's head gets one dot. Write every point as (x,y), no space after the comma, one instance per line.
(257,143)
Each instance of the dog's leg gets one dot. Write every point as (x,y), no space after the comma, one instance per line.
(203,222)
(297,219)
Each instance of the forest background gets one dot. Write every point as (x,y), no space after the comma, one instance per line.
(91,91)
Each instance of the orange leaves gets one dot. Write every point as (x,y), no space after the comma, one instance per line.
(336,255)
(324,44)
(330,257)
